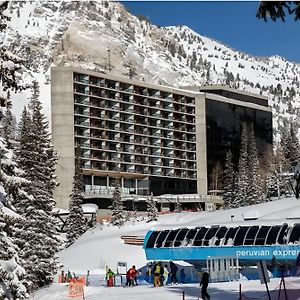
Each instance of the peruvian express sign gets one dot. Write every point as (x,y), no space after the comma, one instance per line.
(285,252)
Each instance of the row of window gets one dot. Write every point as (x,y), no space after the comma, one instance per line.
(222,236)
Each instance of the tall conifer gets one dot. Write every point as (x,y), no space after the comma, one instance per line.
(118,213)
(242,168)
(230,183)
(255,193)
(38,158)
(151,209)
(75,221)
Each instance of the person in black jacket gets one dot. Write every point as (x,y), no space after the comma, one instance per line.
(204,284)
(173,271)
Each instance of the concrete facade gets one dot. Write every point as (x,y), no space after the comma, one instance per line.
(133,130)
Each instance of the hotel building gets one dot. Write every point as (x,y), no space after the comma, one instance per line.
(157,139)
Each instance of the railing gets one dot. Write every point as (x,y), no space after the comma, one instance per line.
(133,240)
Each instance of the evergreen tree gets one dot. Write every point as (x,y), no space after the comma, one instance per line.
(118,214)
(75,221)
(151,209)
(290,145)
(278,9)
(229,189)
(8,127)
(11,272)
(37,157)
(255,193)
(9,63)
(178,207)
(242,184)
(12,188)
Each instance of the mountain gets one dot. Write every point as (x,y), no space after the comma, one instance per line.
(104,36)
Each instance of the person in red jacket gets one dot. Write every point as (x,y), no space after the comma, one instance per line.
(131,277)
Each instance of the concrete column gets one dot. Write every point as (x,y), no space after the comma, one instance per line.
(62,104)
(201,148)
(93,182)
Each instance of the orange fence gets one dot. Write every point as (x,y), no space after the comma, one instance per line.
(76,287)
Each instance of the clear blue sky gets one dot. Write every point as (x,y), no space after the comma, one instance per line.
(232,23)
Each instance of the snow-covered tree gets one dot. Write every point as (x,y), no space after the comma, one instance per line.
(254,191)
(151,209)
(11,189)
(75,222)
(8,127)
(290,145)
(230,183)
(9,63)
(243,179)
(36,156)
(178,207)
(118,214)
(11,272)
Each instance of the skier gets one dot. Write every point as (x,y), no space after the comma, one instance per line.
(149,273)
(109,277)
(162,271)
(182,276)
(204,285)
(156,272)
(131,277)
(174,269)
(166,275)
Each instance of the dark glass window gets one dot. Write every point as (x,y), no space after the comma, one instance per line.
(170,238)
(295,234)
(223,131)
(160,239)
(209,235)
(230,235)
(190,236)
(220,235)
(272,236)
(199,236)
(180,236)
(240,235)
(152,238)
(282,237)
(262,235)
(250,236)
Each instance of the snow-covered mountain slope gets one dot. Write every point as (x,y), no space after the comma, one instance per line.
(103,36)
(103,246)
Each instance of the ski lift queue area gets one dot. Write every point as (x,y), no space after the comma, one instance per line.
(279,244)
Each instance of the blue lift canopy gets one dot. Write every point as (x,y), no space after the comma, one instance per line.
(248,243)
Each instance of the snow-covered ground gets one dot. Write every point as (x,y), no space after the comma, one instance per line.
(218,291)
(104,247)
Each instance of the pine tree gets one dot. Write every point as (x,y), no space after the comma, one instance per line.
(8,127)
(75,221)
(37,157)
(229,189)
(255,193)
(243,179)
(151,209)
(11,272)
(12,188)
(178,207)
(9,63)
(290,146)
(118,214)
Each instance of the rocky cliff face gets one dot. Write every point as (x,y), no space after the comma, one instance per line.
(103,36)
